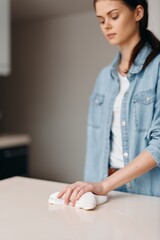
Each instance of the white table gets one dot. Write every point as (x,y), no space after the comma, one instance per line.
(26,215)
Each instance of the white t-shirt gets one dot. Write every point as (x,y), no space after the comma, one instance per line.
(116,154)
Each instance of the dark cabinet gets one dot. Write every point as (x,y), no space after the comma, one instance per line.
(13,162)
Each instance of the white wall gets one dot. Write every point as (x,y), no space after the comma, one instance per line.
(154,16)
(55,64)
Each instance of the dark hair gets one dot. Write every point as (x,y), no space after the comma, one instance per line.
(145,34)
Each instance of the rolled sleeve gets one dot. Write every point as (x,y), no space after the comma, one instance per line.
(154,150)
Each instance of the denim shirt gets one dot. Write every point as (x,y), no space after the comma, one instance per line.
(140,121)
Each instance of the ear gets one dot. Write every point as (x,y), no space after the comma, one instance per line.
(139,13)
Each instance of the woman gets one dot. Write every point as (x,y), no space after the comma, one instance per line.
(123,147)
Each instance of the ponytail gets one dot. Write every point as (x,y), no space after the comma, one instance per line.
(155,44)
(146,37)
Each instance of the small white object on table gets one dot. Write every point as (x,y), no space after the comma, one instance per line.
(88,201)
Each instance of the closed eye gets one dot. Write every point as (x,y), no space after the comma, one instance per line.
(101,20)
(115,17)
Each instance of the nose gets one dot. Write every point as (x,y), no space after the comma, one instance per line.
(107,24)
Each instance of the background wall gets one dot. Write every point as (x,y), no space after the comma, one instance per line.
(154,16)
(55,64)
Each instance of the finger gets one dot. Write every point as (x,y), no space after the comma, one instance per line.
(71,186)
(75,193)
(61,194)
(65,190)
(68,195)
(71,192)
(79,192)
(82,191)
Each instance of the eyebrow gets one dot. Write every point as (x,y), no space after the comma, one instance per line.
(109,12)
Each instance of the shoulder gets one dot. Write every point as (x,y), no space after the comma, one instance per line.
(103,76)
(157,58)
(154,65)
(103,80)
(154,62)
(104,72)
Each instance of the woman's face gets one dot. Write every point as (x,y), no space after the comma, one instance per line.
(118,23)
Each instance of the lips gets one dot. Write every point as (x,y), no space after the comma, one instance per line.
(111,35)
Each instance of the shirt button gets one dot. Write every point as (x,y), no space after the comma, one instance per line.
(97,101)
(125,154)
(147,99)
(123,123)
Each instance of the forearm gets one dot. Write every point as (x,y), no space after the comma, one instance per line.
(139,166)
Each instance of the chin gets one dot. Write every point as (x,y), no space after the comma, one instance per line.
(113,43)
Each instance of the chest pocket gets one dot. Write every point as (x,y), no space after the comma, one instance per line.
(96,110)
(144,109)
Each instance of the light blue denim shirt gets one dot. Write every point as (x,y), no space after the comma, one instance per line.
(140,121)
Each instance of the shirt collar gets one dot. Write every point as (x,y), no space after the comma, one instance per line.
(137,66)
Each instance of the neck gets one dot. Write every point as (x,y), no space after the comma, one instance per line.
(126,53)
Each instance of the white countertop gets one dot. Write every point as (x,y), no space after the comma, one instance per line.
(11,140)
(25,214)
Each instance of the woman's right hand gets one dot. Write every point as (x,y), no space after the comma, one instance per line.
(74,191)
